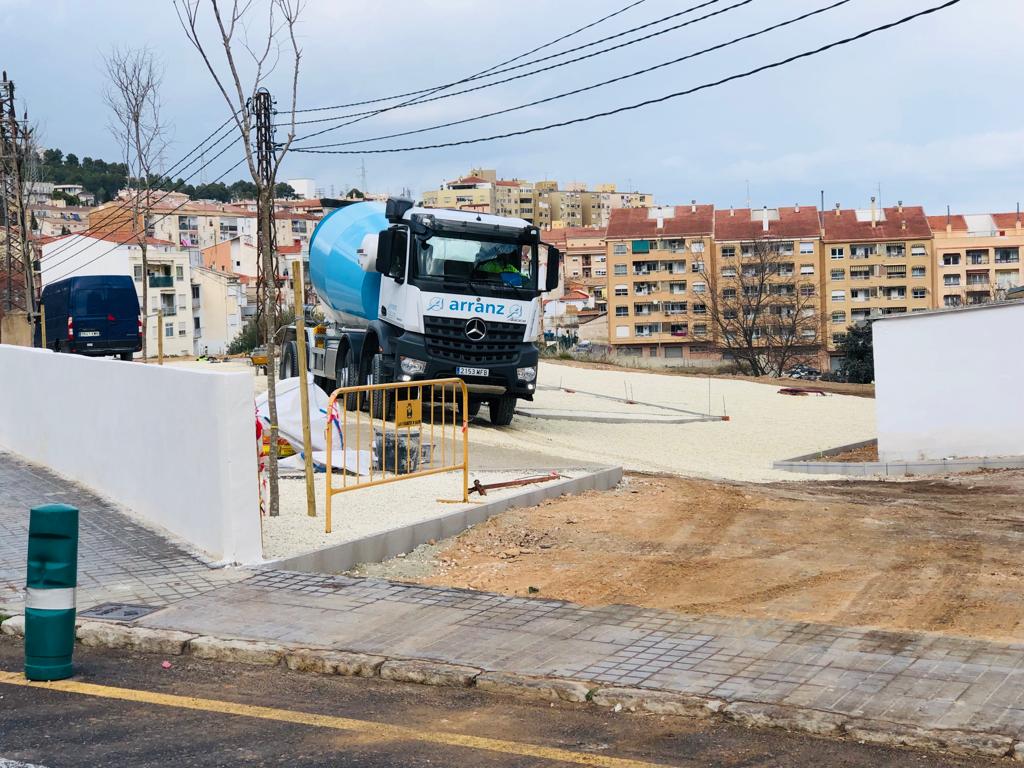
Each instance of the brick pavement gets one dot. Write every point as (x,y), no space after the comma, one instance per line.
(926,680)
(118,558)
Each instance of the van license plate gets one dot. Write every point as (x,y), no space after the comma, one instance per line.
(472,371)
(89,333)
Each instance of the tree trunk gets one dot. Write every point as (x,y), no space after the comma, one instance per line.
(145,298)
(266,199)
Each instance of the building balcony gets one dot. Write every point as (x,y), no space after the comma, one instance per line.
(161,281)
(169,311)
(197,333)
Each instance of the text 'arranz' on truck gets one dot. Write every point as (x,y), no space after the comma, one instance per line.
(415,293)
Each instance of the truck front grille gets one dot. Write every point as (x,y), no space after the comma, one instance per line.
(447,340)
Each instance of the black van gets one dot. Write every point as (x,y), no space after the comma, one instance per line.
(95,315)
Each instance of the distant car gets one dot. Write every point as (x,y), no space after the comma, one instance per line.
(96,315)
(803,372)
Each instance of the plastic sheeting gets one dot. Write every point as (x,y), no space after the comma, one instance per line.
(289,426)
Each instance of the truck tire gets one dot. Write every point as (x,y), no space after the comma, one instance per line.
(289,367)
(348,376)
(502,409)
(382,403)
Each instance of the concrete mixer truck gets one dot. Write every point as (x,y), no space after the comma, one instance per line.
(414,293)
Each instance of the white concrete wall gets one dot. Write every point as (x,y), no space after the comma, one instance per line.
(948,384)
(175,446)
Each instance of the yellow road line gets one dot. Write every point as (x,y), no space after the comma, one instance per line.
(378,730)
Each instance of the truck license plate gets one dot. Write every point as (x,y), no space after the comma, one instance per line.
(89,333)
(461,371)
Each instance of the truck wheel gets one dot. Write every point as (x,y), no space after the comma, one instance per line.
(348,376)
(502,410)
(382,403)
(289,367)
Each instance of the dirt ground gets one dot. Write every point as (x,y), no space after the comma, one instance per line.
(835,387)
(940,555)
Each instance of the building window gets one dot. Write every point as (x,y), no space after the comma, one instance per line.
(838,253)
(622,311)
(181,301)
(951,279)
(951,300)
(729,293)
(699,287)
(700,309)
(181,329)
(895,250)
(977,256)
(838,295)
(697,246)
(728,271)
(806,269)
(950,259)
(728,251)
(837,274)
(641,246)
(169,330)
(600,273)
(195,324)
(622,331)
(697,266)
(138,273)
(918,249)
(179,273)
(806,248)
(838,317)
(1007,255)
(621,269)
(837,338)
(621,290)
(918,271)
(919,293)
(619,249)
(700,329)
(806,290)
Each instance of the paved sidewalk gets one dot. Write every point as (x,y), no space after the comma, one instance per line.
(118,558)
(930,681)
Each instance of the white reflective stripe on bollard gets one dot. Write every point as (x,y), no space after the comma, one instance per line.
(50,599)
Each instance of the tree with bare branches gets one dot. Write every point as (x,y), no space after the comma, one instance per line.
(133,96)
(763,314)
(251,53)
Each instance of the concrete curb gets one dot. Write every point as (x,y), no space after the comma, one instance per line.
(808,465)
(404,539)
(327,661)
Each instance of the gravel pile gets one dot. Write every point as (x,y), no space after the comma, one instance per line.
(764,426)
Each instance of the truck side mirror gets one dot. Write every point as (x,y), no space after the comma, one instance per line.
(553,269)
(392,247)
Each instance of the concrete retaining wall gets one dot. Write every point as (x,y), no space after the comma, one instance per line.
(381,546)
(177,447)
(807,464)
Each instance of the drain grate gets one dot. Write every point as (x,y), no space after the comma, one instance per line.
(119,611)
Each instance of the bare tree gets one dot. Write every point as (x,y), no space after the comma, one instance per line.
(762,313)
(133,96)
(237,36)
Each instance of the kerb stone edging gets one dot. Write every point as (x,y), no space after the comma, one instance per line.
(404,539)
(329,661)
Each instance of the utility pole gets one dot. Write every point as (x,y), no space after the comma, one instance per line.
(267,290)
(18,284)
(362,178)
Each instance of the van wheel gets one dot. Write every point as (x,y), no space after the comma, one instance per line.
(127,356)
(502,409)
(382,402)
(289,367)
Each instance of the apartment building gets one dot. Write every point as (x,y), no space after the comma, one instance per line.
(879,261)
(657,298)
(977,257)
(544,203)
(219,304)
(54,218)
(786,242)
(585,262)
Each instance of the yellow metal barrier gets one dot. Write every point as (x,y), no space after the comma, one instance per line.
(432,416)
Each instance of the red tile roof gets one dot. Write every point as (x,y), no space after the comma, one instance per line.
(1005,221)
(938,223)
(627,223)
(507,183)
(582,232)
(846,228)
(469,180)
(790,223)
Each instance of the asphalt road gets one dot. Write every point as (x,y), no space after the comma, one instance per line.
(126,710)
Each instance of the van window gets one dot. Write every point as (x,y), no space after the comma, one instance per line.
(103,299)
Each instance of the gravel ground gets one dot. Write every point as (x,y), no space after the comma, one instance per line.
(764,426)
(365,511)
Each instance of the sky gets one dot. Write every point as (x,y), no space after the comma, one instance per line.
(929,113)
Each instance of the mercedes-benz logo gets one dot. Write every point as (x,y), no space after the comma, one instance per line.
(476,329)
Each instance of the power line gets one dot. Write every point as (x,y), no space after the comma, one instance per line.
(134,232)
(648,102)
(536,71)
(501,64)
(603,83)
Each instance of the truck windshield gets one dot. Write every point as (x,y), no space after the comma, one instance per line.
(479,261)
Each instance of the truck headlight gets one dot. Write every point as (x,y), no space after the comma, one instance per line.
(527,374)
(412,366)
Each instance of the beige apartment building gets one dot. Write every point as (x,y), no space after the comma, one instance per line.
(657,298)
(789,240)
(977,257)
(585,262)
(878,261)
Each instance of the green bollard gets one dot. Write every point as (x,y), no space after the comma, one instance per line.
(50,592)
